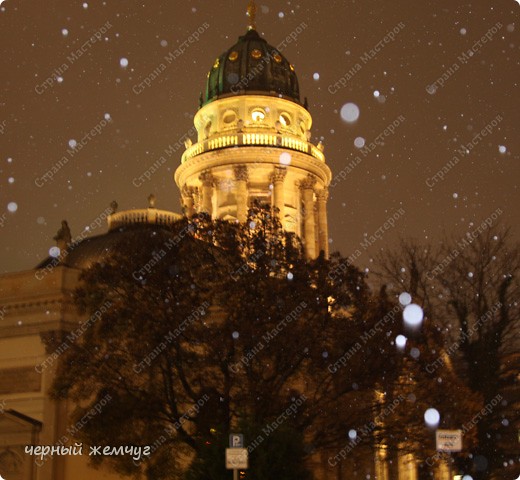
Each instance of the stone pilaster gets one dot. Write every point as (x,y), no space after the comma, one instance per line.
(323,229)
(208,181)
(188,200)
(55,414)
(277,178)
(309,226)
(241,177)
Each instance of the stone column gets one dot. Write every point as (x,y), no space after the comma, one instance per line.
(323,229)
(277,178)
(207,192)
(307,187)
(188,201)
(241,192)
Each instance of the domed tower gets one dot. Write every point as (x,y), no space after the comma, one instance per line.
(253,143)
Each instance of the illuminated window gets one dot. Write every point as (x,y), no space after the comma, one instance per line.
(285,119)
(258,115)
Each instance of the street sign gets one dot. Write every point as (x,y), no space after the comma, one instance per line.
(236,458)
(449,440)
(236,440)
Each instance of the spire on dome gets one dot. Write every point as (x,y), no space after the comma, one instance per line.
(251,13)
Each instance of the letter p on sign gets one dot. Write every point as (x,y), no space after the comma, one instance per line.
(236,440)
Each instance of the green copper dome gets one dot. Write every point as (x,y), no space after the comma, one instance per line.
(251,66)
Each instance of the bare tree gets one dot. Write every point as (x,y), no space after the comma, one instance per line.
(469,289)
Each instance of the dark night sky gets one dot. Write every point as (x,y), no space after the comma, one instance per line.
(35,129)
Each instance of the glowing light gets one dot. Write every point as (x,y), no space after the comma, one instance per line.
(258,115)
(123,62)
(316,76)
(235,335)
(502,149)
(12,207)
(352,434)
(54,252)
(64,32)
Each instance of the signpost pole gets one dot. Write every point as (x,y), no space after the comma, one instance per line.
(236,454)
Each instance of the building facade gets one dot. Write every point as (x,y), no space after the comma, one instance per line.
(253,144)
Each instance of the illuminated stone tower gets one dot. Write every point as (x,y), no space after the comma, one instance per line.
(253,143)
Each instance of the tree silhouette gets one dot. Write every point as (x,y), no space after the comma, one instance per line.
(468,288)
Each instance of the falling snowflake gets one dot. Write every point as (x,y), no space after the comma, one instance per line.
(349,112)
(359,142)
(413,315)
(400,341)
(432,417)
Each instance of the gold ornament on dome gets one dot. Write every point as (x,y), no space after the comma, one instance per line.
(291,66)
(277,58)
(251,13)
(256,54)
(217,63)
(233,56)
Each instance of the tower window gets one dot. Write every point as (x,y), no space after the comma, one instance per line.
(285,119)
(258,115)
(229,116)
